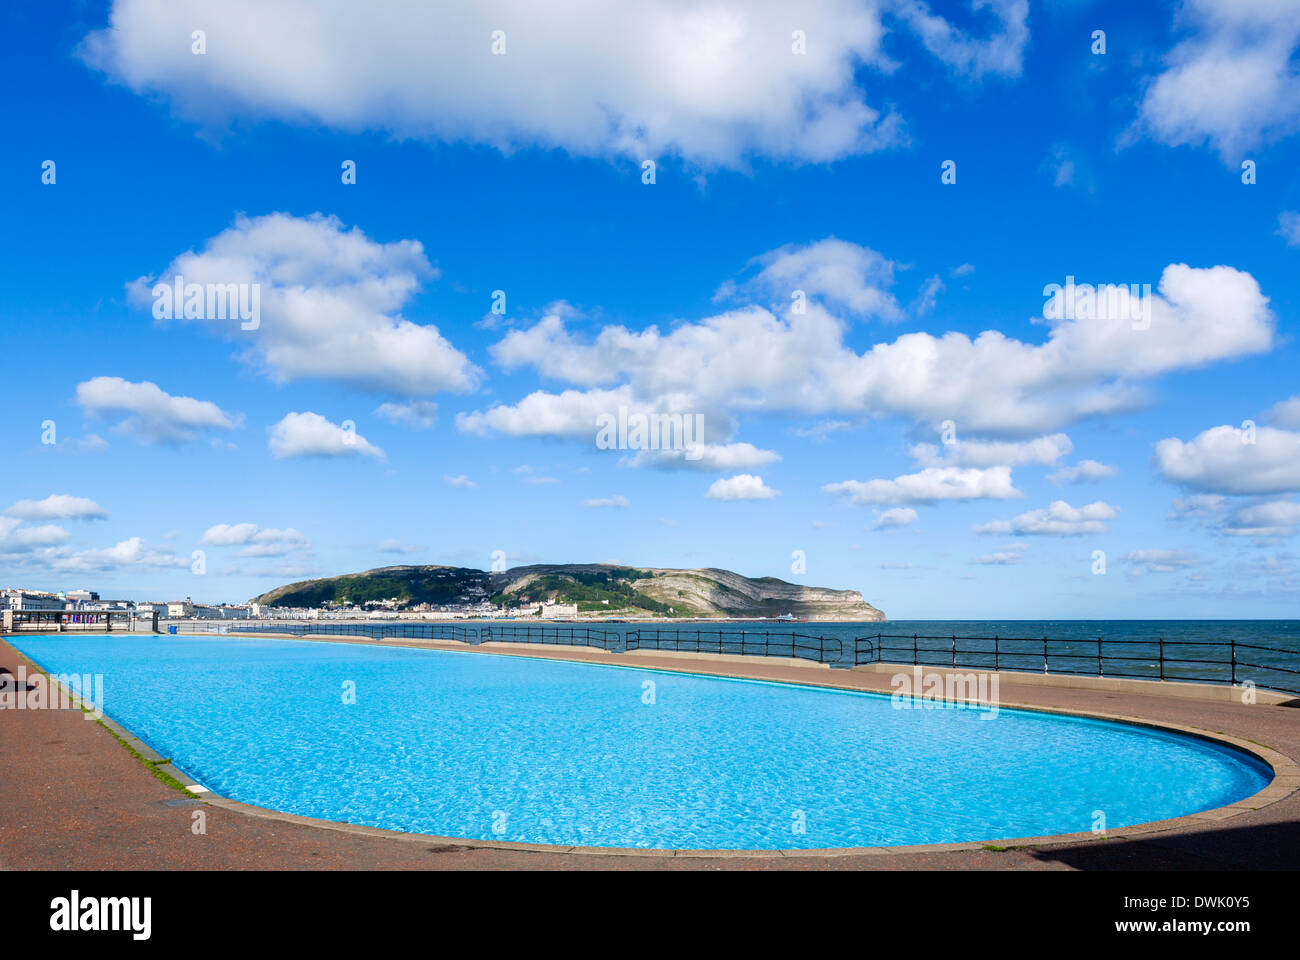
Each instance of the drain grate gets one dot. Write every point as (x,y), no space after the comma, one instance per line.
(181,803)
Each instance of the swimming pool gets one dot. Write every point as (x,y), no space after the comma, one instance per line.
(507,748)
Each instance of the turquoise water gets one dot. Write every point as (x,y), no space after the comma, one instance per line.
(521,749)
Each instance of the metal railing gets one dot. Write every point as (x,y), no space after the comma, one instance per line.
(1228,660)
(1196,661)
(756,643)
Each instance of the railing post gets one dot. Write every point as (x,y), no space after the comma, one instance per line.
(914,659)
(1233,641)
(996,655)
(1044,655)
(954,650)
(1162,658)
(1100,672)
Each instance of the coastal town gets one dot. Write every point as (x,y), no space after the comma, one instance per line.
(22,600)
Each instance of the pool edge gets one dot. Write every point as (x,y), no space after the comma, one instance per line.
(1285,781)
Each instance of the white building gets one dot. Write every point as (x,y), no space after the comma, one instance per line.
(559,611)
(30,600)
(187,609)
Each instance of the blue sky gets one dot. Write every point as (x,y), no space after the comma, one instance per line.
(774,172)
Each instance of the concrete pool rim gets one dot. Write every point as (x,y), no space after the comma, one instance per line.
(1285,771)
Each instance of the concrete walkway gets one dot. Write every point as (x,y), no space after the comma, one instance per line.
(72,798)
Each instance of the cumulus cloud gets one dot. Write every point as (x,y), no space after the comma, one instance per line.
(1040,451)
(1267,519)
(459,480)
(895,517)
(750,360)
(715,84)
(1083,472)
(743,486)
(57,506)
(151,414)
(846,276)
(1058,519)
(930,485)
(1232,81)
(311,435)
(708,457)
(132,552)
(417,414)
(16,537)
(1229,460)
(330,304)
(1286,413)
(256,541)
(1001,53)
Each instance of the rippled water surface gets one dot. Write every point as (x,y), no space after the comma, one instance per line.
(508,748)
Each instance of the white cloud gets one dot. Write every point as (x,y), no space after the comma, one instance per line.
(417,414)
(1286,413)
(330,304)
(311,435)
(844,275)
(749,360)
(1041,451)
(572,413)
(1012,553)
(708,457)
(1220,460)
(1161,561)
(743,486)
(228,534)
(57,506)
(152,415)
(1232,81)
(715,84)
(1062,168)
(16,538)
(615,501)
(1288,226)
(256,541)
(1058,519)
(459,480)
(820,432)
(1271,518)
(1000,54)
(895,517)
(928,296)
(133,552)
(930,485)
(1198,505)
(1082,472)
